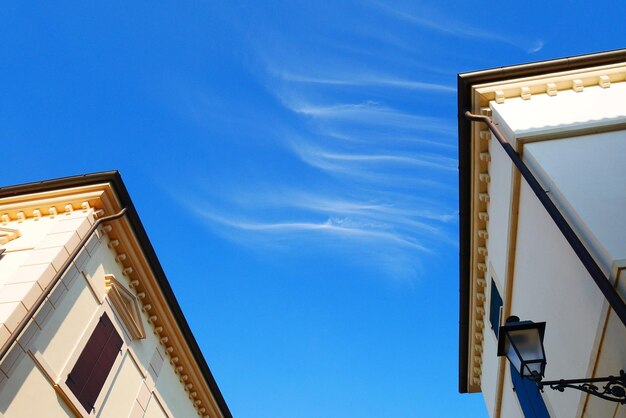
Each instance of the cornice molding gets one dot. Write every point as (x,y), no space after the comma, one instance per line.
(478,255)
(552,83)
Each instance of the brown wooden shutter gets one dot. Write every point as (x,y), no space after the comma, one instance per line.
(95,362)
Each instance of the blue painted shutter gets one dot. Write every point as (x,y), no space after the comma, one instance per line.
(529,396)
(494,308)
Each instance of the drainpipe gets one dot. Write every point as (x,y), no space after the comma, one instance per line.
(55,280)
(603,283)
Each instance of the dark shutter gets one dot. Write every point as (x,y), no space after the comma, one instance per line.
(95,362)
(528,396)
(494,308)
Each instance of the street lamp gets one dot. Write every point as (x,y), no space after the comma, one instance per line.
(522,343)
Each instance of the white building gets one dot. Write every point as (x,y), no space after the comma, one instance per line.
(566,119)
(89,326)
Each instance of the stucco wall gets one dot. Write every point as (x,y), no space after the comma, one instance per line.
(586,175)
(552,285)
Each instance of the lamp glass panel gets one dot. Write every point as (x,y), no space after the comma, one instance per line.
(530,348)
(514,359)
(532,369)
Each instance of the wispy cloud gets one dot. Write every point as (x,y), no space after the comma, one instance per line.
(346,228)
(363,80)
(369,165)
(431,22)
(412,216)
(370,113)
(429,161)
(360,169)
(447,143)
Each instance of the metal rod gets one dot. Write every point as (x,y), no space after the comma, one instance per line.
(603,283)
(55,280)
(570,381)
(614,390)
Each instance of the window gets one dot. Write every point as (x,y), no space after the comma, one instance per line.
(95,362)
(495,308)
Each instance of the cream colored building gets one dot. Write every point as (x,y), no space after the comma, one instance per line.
(89,325)
(567,120)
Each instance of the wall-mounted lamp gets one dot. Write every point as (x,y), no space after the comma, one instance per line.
(522,343)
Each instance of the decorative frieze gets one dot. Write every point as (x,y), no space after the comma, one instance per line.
(551,86)
(577,85)
(551,89)
(499,96)
(604,81)
(481,183)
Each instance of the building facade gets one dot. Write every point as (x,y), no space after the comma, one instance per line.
(89,325)
(566,119)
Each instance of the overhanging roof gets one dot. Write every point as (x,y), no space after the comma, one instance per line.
(465,83)
(115,179)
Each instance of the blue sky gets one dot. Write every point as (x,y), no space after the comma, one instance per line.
(294,164)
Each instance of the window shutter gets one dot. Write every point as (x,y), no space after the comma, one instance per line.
(494,308)
(529,397)
(94,363)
